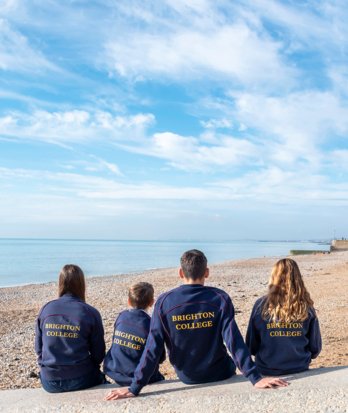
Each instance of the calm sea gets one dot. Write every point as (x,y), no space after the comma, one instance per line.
(26,261)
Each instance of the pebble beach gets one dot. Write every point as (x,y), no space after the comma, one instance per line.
(325,275)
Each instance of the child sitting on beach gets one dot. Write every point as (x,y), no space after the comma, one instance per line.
(130,334)
(283,331)
(69,337)
(195,322)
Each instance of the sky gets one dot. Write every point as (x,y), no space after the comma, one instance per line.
(174,119)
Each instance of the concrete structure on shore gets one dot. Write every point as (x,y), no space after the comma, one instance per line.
(316,390)
(339,245)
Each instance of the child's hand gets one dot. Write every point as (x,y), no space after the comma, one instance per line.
(122,393)
(270,382)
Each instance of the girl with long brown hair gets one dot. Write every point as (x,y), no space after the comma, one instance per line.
(283,332)
(69,339)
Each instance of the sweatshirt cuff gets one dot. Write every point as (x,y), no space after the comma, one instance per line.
(254,377)
(135,388)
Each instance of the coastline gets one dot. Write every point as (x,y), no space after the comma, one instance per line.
(29,261)
(245,280)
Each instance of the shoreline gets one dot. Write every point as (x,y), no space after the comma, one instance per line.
(244,280)
(88,277)
(127,261)
(140,272)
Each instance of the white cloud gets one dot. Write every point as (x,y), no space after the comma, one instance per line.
(269,185)
(110,166)
(96,164)
(217,123)
(9,7)
(293,127)
(192,40)
(338,161)
(16,53)
(277,186)
(194,154)
(183,7)
(320,25)
(339,78)
(74,126)
(97,188)
(233,52)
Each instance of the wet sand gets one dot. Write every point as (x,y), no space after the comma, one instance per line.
(325,275)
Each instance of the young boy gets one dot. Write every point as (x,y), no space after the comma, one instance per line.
(194,322)
(130,334)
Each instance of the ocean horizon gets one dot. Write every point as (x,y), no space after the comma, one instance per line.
(39,260)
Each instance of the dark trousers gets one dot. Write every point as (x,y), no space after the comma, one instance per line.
(80,383)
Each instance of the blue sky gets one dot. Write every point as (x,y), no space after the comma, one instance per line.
(170,119)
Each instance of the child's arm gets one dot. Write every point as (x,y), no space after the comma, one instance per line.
(152,353)
(252,339)
(314,337)
(236,345)
(163,355)
(240,352)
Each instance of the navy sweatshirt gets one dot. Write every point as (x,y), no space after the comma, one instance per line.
(69,339)
(194,321)
(282,348)
(128,343)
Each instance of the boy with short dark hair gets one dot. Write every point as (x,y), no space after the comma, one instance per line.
(197,324)
(130,334)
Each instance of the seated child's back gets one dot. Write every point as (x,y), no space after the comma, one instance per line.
(130,334)
(283,331)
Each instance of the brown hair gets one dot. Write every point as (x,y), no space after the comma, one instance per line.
(140,295)
(287,299)
(194,264)
(72,280)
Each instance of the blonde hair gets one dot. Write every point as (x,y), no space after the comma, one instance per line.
(72,281)
(140,295)
(287,299)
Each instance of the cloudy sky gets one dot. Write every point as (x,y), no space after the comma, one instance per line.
(174,119)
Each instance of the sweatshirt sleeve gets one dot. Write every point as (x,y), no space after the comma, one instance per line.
(252,339)
(38,340)
(314,337)
(97,342)
(235,344)
(152,353)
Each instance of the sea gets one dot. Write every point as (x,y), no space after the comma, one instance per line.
(31,261)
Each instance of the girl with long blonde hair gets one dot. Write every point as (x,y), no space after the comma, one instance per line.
(283,332)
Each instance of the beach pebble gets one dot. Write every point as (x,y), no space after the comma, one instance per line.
(324,275)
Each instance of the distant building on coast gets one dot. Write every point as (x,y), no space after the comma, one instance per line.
(339,245)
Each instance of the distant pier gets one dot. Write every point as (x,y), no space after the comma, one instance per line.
(339,245)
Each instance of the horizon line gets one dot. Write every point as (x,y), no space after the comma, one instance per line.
(165,240)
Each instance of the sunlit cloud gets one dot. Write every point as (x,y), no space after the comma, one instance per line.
(234,52)
(73,126)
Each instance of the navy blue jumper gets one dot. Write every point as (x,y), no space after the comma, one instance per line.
(282,348)
(130,334)
(196,323)
(69,339)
